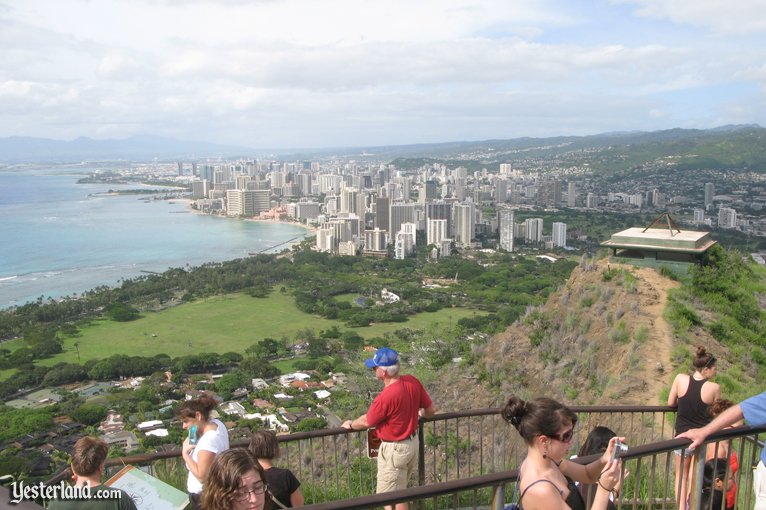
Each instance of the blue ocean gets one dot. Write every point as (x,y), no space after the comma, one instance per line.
(58,237)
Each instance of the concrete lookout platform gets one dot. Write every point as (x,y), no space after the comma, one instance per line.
(660,246)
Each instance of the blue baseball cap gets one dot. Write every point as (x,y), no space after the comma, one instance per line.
(384,357)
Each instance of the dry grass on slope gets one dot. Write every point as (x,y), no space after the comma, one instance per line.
(601,339)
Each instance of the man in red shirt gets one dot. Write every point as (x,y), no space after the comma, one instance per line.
(394,413)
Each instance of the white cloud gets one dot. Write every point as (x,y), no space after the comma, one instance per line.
(340,72)
(722,16)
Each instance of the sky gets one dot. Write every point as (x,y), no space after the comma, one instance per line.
(341,73)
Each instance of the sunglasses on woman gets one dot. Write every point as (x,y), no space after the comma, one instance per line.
(564,437)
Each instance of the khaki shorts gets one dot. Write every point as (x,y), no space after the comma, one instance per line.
(397,464)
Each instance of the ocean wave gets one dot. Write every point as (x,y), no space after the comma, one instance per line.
(6,278)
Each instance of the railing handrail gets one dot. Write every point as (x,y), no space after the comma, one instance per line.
(504,477)
(297,436)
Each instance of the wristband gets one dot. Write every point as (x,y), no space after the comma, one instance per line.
(602,485)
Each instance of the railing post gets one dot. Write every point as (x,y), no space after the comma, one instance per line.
(421,453)
(695,491)
(498,497)
(420,504)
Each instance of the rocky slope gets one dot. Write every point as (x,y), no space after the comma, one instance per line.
(601,339)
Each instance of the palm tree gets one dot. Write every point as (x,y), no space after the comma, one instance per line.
(77,347)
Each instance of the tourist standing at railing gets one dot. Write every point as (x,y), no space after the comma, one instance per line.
(235,481)
(207,438)
(546,477)
(284,487)
(692,395)
(394,413)
(752,410)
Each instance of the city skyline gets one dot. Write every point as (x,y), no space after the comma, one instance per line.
(294,73)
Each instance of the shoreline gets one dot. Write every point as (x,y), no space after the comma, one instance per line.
(189,201)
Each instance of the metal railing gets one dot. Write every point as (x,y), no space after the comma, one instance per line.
(648,483)
(333,464)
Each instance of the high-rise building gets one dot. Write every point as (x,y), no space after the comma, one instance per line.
(440,210)
(550,193)
(348,200)
(382,206)
(505,169)
(500,189)
(200,189)
(591,201)
(428,192)
(559,236)
(534,230)
(325,240)
(709,193)
(506,224)
(727,217)
(400,213)
(436,231)
(247,202)
(328,183)
(699,216)
(571,195)
(306,210)
(375,240)
(464,223)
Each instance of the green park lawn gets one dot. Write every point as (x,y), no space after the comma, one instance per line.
(219,324)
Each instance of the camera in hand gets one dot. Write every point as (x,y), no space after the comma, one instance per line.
(193,434)
(619,449)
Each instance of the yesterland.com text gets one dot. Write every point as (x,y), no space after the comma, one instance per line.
(22,491)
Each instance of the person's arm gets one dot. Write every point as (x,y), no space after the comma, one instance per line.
(673,395)
(427,412)
(358,424)
(729,417)
(589,473)
(607,482)
(296,498)
(202,465)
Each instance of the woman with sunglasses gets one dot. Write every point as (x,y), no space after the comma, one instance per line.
(692,395)
(236,481)
(546,477)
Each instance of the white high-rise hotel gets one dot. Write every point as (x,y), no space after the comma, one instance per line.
(436,231)
(559,234)
(534,229)
(507,222)
(464,223)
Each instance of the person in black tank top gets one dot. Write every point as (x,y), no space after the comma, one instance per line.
(546,476)
(692,396)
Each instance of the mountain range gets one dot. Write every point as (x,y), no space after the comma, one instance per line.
(742,146)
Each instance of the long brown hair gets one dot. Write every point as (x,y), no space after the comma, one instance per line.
(223,480)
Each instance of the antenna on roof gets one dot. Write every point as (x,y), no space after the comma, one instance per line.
(672,225)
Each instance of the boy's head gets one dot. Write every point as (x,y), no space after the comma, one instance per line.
(88,456)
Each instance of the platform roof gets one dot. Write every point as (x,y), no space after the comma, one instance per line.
(661,239)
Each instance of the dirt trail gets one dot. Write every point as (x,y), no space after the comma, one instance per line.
(653,290)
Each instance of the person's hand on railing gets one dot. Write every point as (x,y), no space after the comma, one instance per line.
(696,435)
